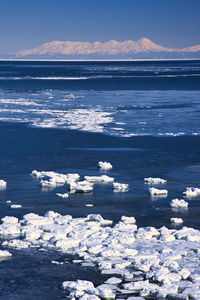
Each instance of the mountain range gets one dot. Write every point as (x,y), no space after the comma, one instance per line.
(143,48)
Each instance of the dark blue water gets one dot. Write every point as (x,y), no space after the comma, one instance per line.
(143,117)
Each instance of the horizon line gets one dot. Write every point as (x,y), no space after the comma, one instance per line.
(95,60)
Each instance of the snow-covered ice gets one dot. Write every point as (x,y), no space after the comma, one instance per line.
(176,220)
(152,180)
(3,184)
(155,192)
(191,192)
(103,165)
(120,187)
(65,195)
(99,179)
(176,203)
(50,179)
(4,253)
(81,187)
(16,206)
(147,261)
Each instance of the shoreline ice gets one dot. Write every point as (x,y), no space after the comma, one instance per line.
(147,261)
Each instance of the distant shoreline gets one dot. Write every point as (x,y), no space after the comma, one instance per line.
(101,60)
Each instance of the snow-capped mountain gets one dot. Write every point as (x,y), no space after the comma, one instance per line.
(110,48)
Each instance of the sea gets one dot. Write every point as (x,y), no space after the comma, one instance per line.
(65,116)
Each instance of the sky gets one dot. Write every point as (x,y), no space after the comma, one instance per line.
(25,24)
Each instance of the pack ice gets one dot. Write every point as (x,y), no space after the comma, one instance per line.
(139,262)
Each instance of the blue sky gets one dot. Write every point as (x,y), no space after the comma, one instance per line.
(26,24)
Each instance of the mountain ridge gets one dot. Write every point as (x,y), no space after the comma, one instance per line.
(111,48)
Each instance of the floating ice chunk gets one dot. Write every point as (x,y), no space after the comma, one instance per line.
(191,293)
(50,179)
(49,214)
(31,233)
(36,220)
(147,232)
(155,192)
(81,186)
(135,298)
(120,187)
(15,206)
(105,292)
(9,220)
(184,273)
(89,297)
(113,280)
(151,180)
(48,183)
(67,243)
(168,289)
(191,192)
(65,195)
(3,184)
(128,220)
(16,244)
(9,229)
(121,226)
(98,218)
(81,285)
(89,205)
(136,286)
(4,253)
(57,262)
(176,220)
(176,203)
(195,278)
(188,234)
(161,274)
(172,265)
(103,165)
(99,179)
(110,253)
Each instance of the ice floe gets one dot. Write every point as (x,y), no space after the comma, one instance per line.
(176,220)
(151,180)
(103,165)
(142,262)
(99,179)
(65,195)
(52,179)
(155,192)
(81,187)
(120,187)
(14,206)
(4,253)
(176,203)
(3,183)
(191,192)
